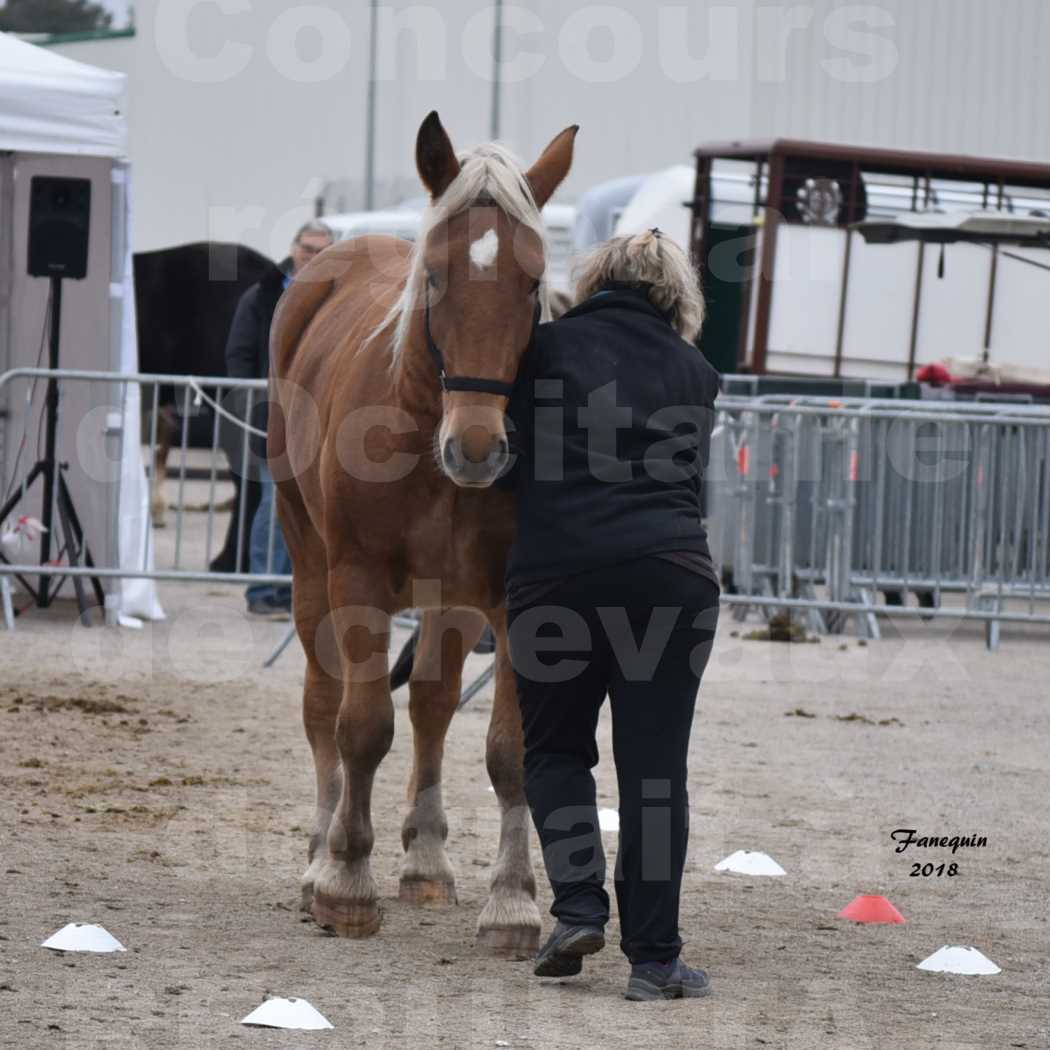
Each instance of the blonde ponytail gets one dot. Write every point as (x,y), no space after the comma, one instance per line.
(651,259)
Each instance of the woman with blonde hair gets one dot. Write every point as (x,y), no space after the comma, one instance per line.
(611,590)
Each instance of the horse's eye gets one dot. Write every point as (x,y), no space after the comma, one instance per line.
(431,280)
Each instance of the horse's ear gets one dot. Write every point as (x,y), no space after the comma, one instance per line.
(548,173)
(435,157)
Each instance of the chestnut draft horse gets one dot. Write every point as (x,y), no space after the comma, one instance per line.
(391,371)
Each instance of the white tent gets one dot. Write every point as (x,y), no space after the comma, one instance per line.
(63,118)
(51,104)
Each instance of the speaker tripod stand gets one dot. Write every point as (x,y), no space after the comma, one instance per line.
(57,497)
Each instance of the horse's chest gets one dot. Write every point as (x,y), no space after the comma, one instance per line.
(461,539)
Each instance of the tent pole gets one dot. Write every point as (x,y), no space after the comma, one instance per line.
(370,148)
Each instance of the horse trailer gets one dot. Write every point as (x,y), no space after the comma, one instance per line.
(793,289)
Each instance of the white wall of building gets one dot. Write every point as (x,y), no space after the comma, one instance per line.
(240,112)
(951,76)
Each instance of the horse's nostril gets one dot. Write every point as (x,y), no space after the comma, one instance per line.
(500,458)
(450,455)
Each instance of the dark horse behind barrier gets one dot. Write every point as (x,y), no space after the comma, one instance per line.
(185,298)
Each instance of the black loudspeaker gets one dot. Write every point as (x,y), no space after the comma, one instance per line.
(59,223)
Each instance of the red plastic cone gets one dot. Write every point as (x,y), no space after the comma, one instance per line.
(867,908)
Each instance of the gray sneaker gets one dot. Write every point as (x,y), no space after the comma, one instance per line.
(563,953)
(666,980)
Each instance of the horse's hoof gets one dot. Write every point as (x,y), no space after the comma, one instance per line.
(509,942)
(354,919)
(427,891)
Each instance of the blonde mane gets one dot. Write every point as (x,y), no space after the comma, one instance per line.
(489,173)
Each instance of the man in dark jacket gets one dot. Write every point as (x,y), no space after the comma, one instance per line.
(248,357)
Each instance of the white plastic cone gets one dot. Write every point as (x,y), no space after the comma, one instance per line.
(609,820)
(956,959)
(750,862)
(287,1013)
(83,937)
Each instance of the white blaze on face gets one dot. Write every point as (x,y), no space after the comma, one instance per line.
(484,250)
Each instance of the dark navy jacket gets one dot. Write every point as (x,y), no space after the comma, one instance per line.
(610,421)
(248,345)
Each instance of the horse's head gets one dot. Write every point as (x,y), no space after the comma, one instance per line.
(482,259)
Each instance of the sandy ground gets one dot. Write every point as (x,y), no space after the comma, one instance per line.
(158,782)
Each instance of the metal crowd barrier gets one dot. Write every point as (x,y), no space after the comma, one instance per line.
(195,527)
(834,508)
(838,507)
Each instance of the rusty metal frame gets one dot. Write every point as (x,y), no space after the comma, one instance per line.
(774,153)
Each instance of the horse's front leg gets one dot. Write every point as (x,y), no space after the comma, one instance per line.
(509,923)
(345,895)
(322,683)
(445,639)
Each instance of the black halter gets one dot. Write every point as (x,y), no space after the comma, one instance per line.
(451,383)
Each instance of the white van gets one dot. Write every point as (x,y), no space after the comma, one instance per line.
(395,222)
(404,223)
